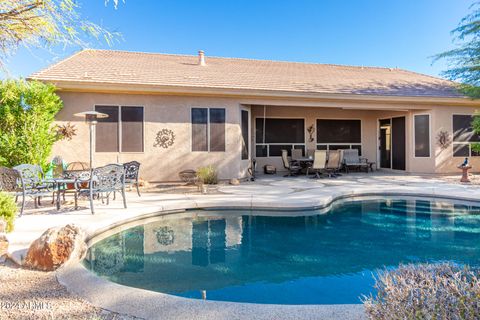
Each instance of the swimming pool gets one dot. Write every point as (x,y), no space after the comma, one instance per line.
(287,258)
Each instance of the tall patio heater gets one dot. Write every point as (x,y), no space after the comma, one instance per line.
(91,117)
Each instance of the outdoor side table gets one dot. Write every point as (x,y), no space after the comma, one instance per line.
(304,162)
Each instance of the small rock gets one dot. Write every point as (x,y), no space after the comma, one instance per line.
(55,247)
(234,182)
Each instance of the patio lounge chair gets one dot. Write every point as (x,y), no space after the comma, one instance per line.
(319,163)
(351,159)
(297,154)
(334,163)
(132,169)
(11,182)
(293,167)
(103,181)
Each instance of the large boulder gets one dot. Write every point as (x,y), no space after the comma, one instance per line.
(54,247)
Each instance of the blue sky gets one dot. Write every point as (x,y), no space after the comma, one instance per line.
(401,33)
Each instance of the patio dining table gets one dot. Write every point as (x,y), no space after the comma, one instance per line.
(304,162)
(59,185)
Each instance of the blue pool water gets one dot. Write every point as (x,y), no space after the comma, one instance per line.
(315,258)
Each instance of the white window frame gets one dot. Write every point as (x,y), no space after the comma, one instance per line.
(208,128)
(429,135)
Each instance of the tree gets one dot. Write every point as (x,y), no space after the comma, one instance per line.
(464,61)
(27,130)
(40,23)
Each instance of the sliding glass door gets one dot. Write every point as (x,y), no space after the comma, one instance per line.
(392,143)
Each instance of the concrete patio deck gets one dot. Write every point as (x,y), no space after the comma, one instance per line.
(268,192)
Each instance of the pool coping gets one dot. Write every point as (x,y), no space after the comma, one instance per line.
(155,305)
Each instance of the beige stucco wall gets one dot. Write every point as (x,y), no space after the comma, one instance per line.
(173,112)
(158,164)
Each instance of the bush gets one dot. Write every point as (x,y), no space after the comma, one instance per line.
(8,210)
(27,115)
(426,291)
(207,175)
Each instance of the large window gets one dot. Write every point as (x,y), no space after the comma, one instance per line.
(278,134)
(422,135)
(464,136)
(335,134)
(121,131)
(208,129)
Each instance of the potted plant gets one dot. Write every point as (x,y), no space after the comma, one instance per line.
(207,176)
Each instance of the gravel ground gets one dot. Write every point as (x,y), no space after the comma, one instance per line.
(27,294)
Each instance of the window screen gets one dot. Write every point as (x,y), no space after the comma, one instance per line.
(338,131)
(245,130)
(461,150)
(199,129)
(208,124)
(422,135)
(106,131)
(462,129)
(132,129)
(217,129)
(280,130)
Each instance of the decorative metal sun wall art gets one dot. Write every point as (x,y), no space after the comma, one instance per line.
(311,131)
(165,236)
(443,139)
(66,131)
(165,138)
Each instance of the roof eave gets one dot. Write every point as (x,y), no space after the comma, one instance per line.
(132,88)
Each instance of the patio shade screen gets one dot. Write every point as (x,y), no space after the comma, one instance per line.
(280,130)
(132,129)
(217,129)
(199,129)
(106,131)
(422,135)
(463,130)
(338,131)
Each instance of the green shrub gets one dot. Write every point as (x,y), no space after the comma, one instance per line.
(426,291)
(8,210)
(27,115)
(207,175)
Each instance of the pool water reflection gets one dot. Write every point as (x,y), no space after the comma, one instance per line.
(324,258)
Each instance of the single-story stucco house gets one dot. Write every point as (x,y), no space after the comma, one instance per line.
(177,112)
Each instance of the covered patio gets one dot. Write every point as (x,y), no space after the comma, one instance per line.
(383,136)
